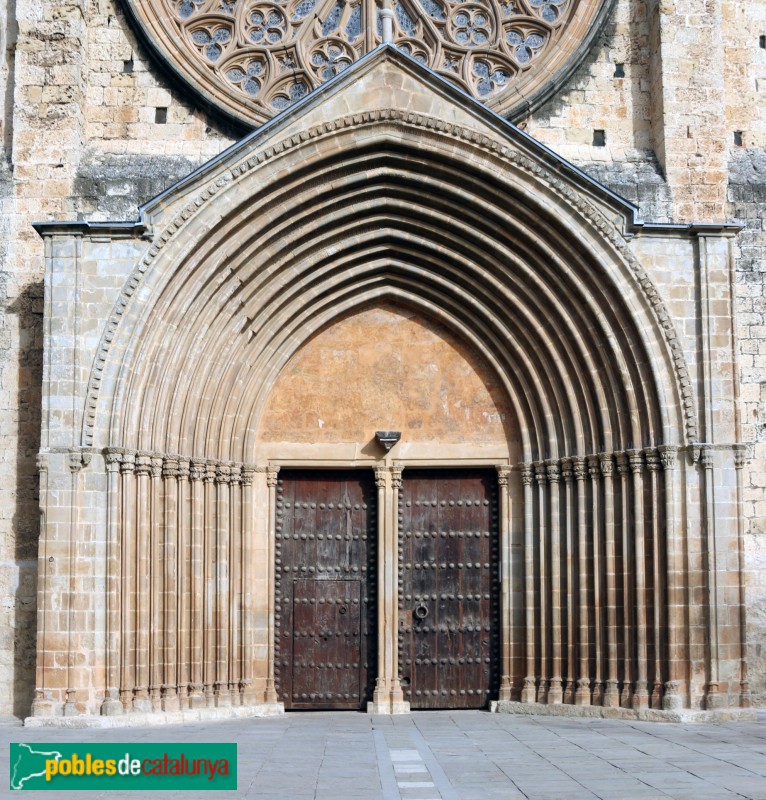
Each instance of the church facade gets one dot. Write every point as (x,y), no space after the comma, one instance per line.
(392,356)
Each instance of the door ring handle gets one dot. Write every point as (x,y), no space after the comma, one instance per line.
(421,612)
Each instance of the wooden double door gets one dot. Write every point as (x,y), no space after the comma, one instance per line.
(326,620)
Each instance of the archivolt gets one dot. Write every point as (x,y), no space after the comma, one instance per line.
(369,208)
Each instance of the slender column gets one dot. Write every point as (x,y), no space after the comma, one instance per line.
(582,695)
(183,607)
(623,469)
(555,692)
(234,558)
(196,585)
(528,691)
(209,633)
(653,467)
(141,700)
(398,704)
(127,579)
(675,688)
(221,612)
(567,474)
(169,561)
(641,694)
(506,597)
(381,699)
(594,470)
(112,705)
(542,566)
(248,623)
(713,698)
(272,475)
(611,695)
(43,705)
(156,573)
(168,568)
(745,698)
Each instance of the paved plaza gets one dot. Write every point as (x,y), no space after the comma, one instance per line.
(462,755)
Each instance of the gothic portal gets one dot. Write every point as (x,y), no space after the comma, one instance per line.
(557,523)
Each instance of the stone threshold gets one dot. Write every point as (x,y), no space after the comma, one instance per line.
(141,719)
(636,715)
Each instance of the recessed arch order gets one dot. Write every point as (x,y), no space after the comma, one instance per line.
(388,210)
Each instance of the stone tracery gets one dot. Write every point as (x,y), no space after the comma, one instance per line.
(256,58)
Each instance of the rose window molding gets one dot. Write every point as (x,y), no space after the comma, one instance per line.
(252,59)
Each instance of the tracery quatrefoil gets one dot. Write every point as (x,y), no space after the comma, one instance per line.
(239,52)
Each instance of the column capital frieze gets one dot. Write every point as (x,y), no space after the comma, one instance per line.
(143,464)
(636,460)
(272,476)
(503,474)
(170,467)
(198,469)
(579,467)
(552,470)
(527,473)
(653,460)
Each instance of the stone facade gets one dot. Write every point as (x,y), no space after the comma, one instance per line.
(93,128)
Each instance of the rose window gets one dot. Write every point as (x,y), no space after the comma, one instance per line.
(238,54)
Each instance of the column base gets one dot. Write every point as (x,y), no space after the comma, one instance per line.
(611,695)
(644,715)
(133,719)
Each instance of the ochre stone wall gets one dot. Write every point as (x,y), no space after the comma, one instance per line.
(386,368)
(83,136)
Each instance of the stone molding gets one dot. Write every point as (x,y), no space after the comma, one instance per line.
(605,229)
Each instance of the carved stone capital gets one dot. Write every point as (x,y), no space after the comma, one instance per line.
(128,463)
(248,472)
(578,467)
(594,467)
(113,460)
(541,473)
(396,478)
(740,455)
(235,474)
(222,473)
(183,468)
(210,471)
(653,461)
(607,464)
(170,467)
(706,457)
(143,464)
(78,459)
(668,455)
(567,473)
(553,471)
(157,464)
(503,473)
(527,472)
(380,477)
(198,469)
(272,476)
(623,464)
(636,460)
